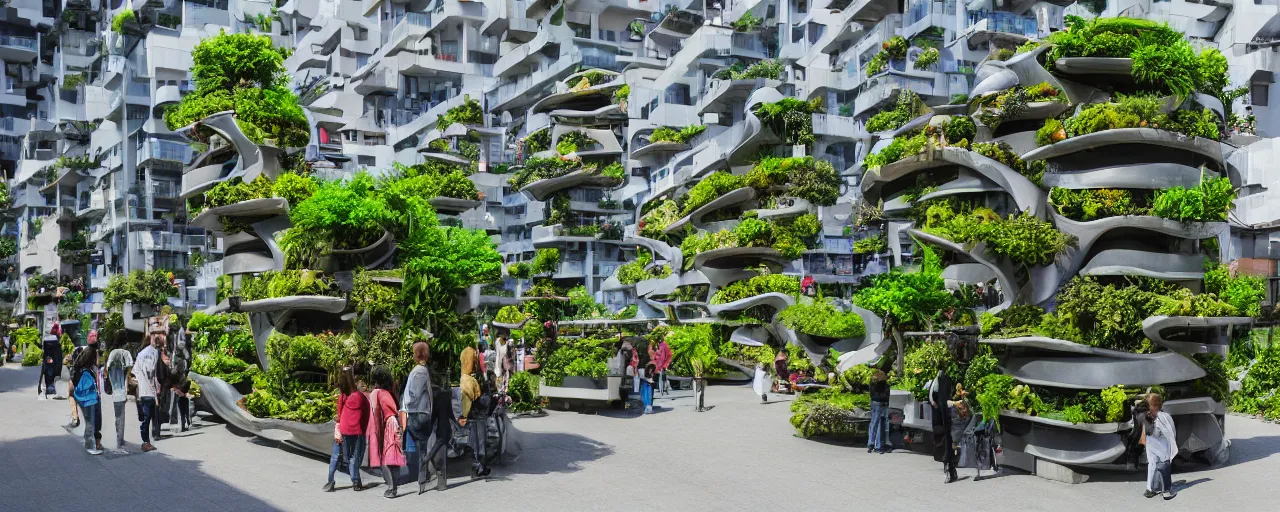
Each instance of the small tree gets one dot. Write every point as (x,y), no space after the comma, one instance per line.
(907,298)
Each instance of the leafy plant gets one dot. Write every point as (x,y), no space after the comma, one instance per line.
(821,318)
(927,58)
(749,22)
(142,287)
(525,392)
(545,261)
(1210,201)
(680,135)
(1244,292)
(757,285)
(874,244)
(244,73)
(711,187)
(124,16)
(468,113)
(790,118)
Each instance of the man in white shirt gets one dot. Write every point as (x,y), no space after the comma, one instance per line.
(144,371)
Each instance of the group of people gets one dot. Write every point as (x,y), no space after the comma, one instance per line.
(372,422)
(646,381)
(156,378)
(965,439)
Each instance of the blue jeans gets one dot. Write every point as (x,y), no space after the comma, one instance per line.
(146,415)
(351,450)
(91,415)
(879,425)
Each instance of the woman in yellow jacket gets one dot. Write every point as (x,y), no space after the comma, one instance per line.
(471,393)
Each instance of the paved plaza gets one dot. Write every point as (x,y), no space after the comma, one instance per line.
(739,456)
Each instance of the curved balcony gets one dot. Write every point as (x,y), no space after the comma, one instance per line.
(166,95)
(452,205)
(1192,334)
(589,98)
(1003,270)
(209,219)
(1148,144)
(966,182)
(542,189)
(1150,176)
(723,95)
(1077,366)
(1027,196)
(246,253)
(254,159)
(738,257)
(657,148)
(1128,257)
(736,197)
(756,134)
(779,302)
(224,400)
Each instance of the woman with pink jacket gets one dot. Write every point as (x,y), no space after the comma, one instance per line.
(384,430)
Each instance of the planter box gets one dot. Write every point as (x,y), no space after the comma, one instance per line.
(573,381)
(595,390)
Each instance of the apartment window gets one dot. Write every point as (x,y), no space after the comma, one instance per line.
(366,161)
(361,33)
(580,30)
(349,136)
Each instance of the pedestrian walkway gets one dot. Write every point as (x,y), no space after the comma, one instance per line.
(739,456)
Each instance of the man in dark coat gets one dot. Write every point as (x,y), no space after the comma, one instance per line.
(940,393)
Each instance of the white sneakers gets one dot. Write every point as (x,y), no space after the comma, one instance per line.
(94,451)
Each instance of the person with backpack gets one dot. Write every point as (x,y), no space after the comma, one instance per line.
(87,391)
(144,371)
(117,385)
(475,408)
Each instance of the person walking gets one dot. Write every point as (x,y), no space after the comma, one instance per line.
(503,359)
(144,372)
(69,361)
(50,367)
(118,363)
(415,410)
(349,431)
(761,383)
(474,411)
(782,371)
(661,359)
(879,427)
(87,390)
(646,387)
(940,392)
(1161,439)
(385,431)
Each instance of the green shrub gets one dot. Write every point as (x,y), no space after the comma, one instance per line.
(874,244)
(141,287)
(903,146)
(821,318)
(1052,131)
(711,187)
(960,128)
(1210,201)
(545,261)
(790,118)
(1244,292)
(525,392)
(1092,204)
(757,285)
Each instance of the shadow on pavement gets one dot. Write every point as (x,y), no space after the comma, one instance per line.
(1253,448)
(40,466)
(546,453)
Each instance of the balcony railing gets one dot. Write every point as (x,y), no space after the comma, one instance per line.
(28,43)
(164,150)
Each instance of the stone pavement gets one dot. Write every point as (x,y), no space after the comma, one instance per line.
(739,456)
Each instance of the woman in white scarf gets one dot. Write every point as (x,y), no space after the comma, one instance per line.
(1161,439)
